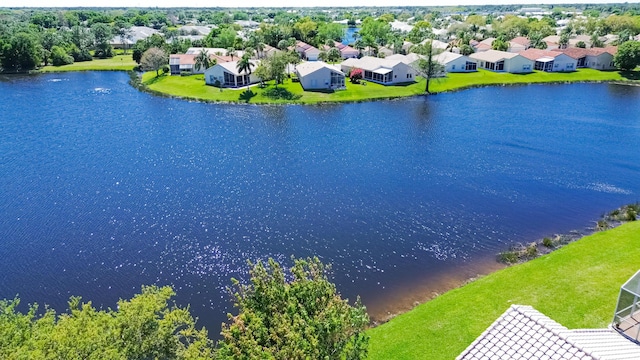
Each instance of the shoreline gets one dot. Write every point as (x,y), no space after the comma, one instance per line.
(405,300)
(457,82)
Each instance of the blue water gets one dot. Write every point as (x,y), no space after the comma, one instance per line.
(105,188)
(349,37)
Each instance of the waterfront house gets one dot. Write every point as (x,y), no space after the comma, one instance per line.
(382,71)
(227,75)
(318,75)
(524,333)
(595,58)
(550,61)
(502,61)
(456,62)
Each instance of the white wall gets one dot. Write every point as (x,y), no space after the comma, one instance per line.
(458,65)
(518,64)
(400,72)
(600,62)
(564,63)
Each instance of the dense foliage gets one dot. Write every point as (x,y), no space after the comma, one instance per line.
(628,55)
(145,327)
(294,314)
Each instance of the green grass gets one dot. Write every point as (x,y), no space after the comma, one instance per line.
(455,81)
(116,63)
(193,87)
(576,286)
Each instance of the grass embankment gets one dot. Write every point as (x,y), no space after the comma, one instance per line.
(193,87)
(576,286)
(116,63)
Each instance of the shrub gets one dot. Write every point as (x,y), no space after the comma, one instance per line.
(60,57)
(547,242)
(355,75)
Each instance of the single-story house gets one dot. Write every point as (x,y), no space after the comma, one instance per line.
(436,44)
(179,63)
(594,58)
(379,70)
(518,44)
(134,34)
(495,60)
(195,30)
(483,45)
(318,75)
(549,60)
(227,75)
(522,332)
(408,59)
(306,51)
(382,50)
(456,62)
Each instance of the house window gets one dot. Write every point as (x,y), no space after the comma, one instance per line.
(526,67)
(500,65)
(470,66)
(611,64)
(570,66)
(453,67)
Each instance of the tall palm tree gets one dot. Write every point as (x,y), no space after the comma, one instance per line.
(203,61)
(231,52)
(244,65)
(259,48)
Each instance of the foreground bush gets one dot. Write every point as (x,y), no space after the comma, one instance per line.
(145,327)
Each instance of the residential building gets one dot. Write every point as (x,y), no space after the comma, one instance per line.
(379,70)
(227,75)
(502,61)
(318,75)
(594,58)
(134,34)
(550,61)
(522,332)
(518,44)
(306,51)
(456,62)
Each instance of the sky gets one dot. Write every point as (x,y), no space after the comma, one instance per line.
(273,3)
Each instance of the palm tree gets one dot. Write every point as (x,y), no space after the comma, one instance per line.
(259,48)
(244,65)
(203,61)
(231,52)
(359,45)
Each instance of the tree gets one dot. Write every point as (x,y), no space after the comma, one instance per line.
(300,318)
(499,44)
(153,59)
(262,72)
(245,65)
(427,67)
(102,34)
(334,55)
(21,53)
(60,57)
(535,40)
(628,55)
(421,30)
(145,327)
(203,61)
(581,44)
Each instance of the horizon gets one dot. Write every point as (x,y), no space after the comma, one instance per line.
(291,4)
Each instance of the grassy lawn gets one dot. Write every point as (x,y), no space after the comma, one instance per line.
(455,81)
(193,87)
(116,63)
(576,286)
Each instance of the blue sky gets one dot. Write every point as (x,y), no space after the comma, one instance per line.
(262,3)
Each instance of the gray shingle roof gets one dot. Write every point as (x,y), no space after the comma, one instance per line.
(524,333)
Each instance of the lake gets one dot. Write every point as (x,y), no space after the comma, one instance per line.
(105,188)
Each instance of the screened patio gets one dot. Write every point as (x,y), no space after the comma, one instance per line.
(627,316)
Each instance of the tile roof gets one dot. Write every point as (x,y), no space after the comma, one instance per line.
(521,40)
(310,67)
(492,55)
(535,54)
(524,333)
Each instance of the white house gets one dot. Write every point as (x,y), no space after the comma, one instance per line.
(594,58)
(500,61)
(522,332)
(306,51)
(133,34)
(318,75)
(383,71)
(227,75)
(550,61)
(456,62)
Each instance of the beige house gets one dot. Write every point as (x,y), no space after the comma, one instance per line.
(502,61)
(382,71)
(227,75)
(550,61)
(318,75)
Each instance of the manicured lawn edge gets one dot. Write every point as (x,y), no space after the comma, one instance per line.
(117,63)
(576,286)
(193,87)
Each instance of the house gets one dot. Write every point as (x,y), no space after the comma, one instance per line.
(179,63)
(195,30)
(318,75)
(379,70)
(382,50)
(227,75)
(524,333)
(495,60)
(306,51)
(346,51)
(436,44)
(134,34)
(456,62)
(550,61)
(595,58)
(518,44)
